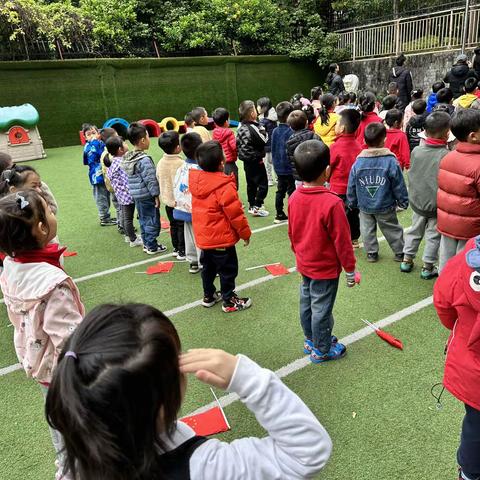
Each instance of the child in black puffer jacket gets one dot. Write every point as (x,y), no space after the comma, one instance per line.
(268,119)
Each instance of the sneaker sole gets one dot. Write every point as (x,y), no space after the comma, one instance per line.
(211,304)
(328,359)
(372,260)
(193,272)
(309,350)
(279,221)
(236,309)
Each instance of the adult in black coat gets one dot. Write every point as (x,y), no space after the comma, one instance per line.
(476,61)
(403,78)
(334,80)
(458,74)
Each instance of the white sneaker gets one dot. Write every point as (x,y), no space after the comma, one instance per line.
(126,238)
(138,242)
(270,183)
(251,210)
(259,212)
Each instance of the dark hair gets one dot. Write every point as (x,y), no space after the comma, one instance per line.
(374,134)
(437,86)
(114,144)
(464,122)
(350,119)
(106,401)
(367,102)
(296,97)
(283,110)
(169,141)
(209,156)
(470,85)
(400,60)
(327,101)
(189,143)
(419,106)
(392,88)
(14,177)
(309,112)
(342,98)
(393,116)
(220,116)
(389,102)
(444,95)
(417,94)
(106,133)
(316,93)
(297,105)
(136,131)
(188,119)
(197,113)
(5,161)
(437,123)
(297,120)
(16,223)
(245,108)
(265,105)
(311,157)
(352,97)
(86,127)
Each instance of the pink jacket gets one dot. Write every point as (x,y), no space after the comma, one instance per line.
(44,306)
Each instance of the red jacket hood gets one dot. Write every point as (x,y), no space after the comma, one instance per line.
(202,183)
(221,133)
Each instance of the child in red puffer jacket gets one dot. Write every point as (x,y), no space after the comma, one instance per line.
(223,134)
(457,300)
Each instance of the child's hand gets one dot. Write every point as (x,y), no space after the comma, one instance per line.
(157,202)
(246,242)
(214,367)
(353,278)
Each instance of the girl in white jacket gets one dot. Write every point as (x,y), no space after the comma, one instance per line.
(118,389)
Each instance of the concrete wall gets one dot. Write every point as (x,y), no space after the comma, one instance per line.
(426,69)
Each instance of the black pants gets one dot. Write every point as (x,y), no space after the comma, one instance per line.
(224,262)
(176,231)
(128,212)
(229,168)
(353,217)
(286,184)
(468,455)
(257,183)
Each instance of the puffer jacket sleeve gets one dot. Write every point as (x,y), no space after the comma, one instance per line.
(232,145)
(232,208)
(443,295)
(400,192)
(244,144)
(146,170)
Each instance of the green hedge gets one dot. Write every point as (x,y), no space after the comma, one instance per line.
(69,93)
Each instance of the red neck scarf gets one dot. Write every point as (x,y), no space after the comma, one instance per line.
(435,141)
(50,254)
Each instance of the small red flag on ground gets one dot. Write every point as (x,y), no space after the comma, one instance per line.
(208,423)
(387,337)
(161,267)
(70,254)
(277,269)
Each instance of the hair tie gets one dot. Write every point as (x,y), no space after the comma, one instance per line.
(71,354)
(22,203)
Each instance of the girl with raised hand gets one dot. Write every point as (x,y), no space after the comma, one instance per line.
(43,303)
(119,386)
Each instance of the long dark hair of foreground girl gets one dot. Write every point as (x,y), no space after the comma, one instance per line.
(116,387)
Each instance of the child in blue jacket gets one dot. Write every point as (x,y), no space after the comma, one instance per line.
(281,162)
(92,153)
(376,187)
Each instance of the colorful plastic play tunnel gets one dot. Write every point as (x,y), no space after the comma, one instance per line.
(119,124)
(153,127)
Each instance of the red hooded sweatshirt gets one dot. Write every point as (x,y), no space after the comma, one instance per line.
(397,143)
(367,119)
(319,233)
(226,138)
(343,153)
(217,213)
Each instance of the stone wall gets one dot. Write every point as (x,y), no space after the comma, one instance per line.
(426,69)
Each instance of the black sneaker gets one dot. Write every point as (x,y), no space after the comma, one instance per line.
(398,257)
(109,222)
(280,218)
(194,268)
(121,230)
(373,257)
(209,302)
(181,256)
(236,303)
(160,249)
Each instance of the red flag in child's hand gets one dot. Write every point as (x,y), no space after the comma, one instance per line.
(277,269)
(161,267)
(70,254)
(208,423)
(164,223)
(390,339)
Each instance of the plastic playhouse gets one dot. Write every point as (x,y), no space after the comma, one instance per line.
(19,136)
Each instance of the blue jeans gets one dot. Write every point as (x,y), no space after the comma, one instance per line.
(316,305)
(149,217)
(102,199)
(468,454)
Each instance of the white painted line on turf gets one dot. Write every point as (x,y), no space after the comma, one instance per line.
(303,362)
(9,369)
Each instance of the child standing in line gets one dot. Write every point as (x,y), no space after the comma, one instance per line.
(200,117)
(218,223)
(92,153)
(444,102)
(324,126)
(432,98)
(268,119)
(167,168)
(251,141)
(189,123)
(144,187)
(281,162)
(224,134)
(408,114)
(417,123)
(376,187)
(43,303)
(469,99)
(367,103)
(458,198)
(456,299)
(117,148)
(183,198)
(423,186)
(315,95)
(396,140)
(142,345)
(343,154)
(388,104)
(322,246)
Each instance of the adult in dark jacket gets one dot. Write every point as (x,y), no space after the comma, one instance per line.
(403,78)
(334,80)
(458,74)
(476,61)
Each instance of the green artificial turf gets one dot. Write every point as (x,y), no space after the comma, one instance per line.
(396,431)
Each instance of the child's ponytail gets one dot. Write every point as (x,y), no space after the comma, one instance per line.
(14,177)
(327,101)
(366,103)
